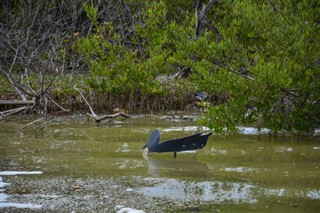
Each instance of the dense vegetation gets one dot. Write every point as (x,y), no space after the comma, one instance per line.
(259,61)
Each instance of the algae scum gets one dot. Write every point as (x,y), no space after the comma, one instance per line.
(73,165)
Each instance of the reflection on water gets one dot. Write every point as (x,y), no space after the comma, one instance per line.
(314,194)
(309,193)
(219,192)
(158,167)
(283,149)
(276,192)
(127,164)
(186,129)
(238,169)
(124,148)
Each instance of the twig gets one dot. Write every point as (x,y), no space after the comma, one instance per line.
(225,67)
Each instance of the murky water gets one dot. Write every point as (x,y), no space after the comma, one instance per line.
(71,164)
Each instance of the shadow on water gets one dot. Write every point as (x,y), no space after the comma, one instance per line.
(77,166)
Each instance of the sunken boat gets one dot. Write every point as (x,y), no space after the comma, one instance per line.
(193,142)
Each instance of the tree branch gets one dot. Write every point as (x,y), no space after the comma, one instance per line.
(65,110)
(202,21)
(219,64)
(97,118)
(91,110)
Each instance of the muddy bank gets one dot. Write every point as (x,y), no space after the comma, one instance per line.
(85,194)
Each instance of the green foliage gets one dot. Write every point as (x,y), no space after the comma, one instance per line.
(91,13)
(266,65)
(120,70)
(281,49)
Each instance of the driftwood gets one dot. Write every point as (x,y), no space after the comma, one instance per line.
(17,102)
(97,118)
(16,110)
(12,111)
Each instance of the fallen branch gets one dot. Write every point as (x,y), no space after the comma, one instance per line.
(12,111)
(16,102)
(97,118)
(101,118)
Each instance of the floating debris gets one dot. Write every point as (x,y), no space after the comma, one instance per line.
(193,142)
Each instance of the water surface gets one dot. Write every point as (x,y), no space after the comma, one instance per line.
(72,164)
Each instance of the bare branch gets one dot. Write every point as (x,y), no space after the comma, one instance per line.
(63,109)
(97,118)
(202,21)
(92,112)
(247,74)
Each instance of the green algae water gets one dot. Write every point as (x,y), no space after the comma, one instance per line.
(70,164)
